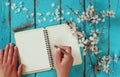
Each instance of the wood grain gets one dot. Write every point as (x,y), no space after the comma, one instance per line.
(4,24)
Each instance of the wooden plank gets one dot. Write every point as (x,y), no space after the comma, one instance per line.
(20,17)
(104,39)
(4,24)
(104,6)
(45,16)
(88,60)
(114,37)
(103,44)
(69,7)
(45,12)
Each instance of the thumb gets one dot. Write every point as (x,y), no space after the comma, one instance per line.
(20,69)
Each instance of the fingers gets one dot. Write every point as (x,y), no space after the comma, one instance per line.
(66,48)
(10,53)
(6,54)
(19,72)
(58,56)
(1,56)
(15,55)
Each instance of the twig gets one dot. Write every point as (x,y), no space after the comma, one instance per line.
(91,64)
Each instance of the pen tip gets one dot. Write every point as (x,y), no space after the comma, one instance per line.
(55,46)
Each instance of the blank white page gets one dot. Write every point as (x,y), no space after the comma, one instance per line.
(32,50)
(61,35)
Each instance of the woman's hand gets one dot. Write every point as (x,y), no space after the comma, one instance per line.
(63,62)
(8,62)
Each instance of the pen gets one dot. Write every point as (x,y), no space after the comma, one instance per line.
(24,26)
(62,50)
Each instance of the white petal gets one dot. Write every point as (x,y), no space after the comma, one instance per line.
(25,9)
(44,19)
(32,14)
(20,2)
(13,6)
(7,3)
(51,20)
(53,5)
(39,14)
(71,18)
(39,21)
(18,10)
(21,6)
(27,16)
(68,13)
(48,14)
(62,11)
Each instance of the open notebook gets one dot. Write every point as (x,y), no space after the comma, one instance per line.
(36,47)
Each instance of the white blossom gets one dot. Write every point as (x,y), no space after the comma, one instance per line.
(90,9)
(17,10)
(7,3)
(81,34)
(106,68)
(111,13)
(96,32)
(104,14)
(79,19)
(93,40)
(76,12)
(13,6)
(85,16)
(96,19)
(81,44)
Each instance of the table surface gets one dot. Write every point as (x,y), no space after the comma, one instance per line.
(38,12)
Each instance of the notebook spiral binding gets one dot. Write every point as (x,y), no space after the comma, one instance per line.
(48,48)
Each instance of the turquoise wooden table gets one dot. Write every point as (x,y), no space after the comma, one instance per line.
(42,13)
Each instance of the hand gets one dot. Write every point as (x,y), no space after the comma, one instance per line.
(63,62)
(8,62)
